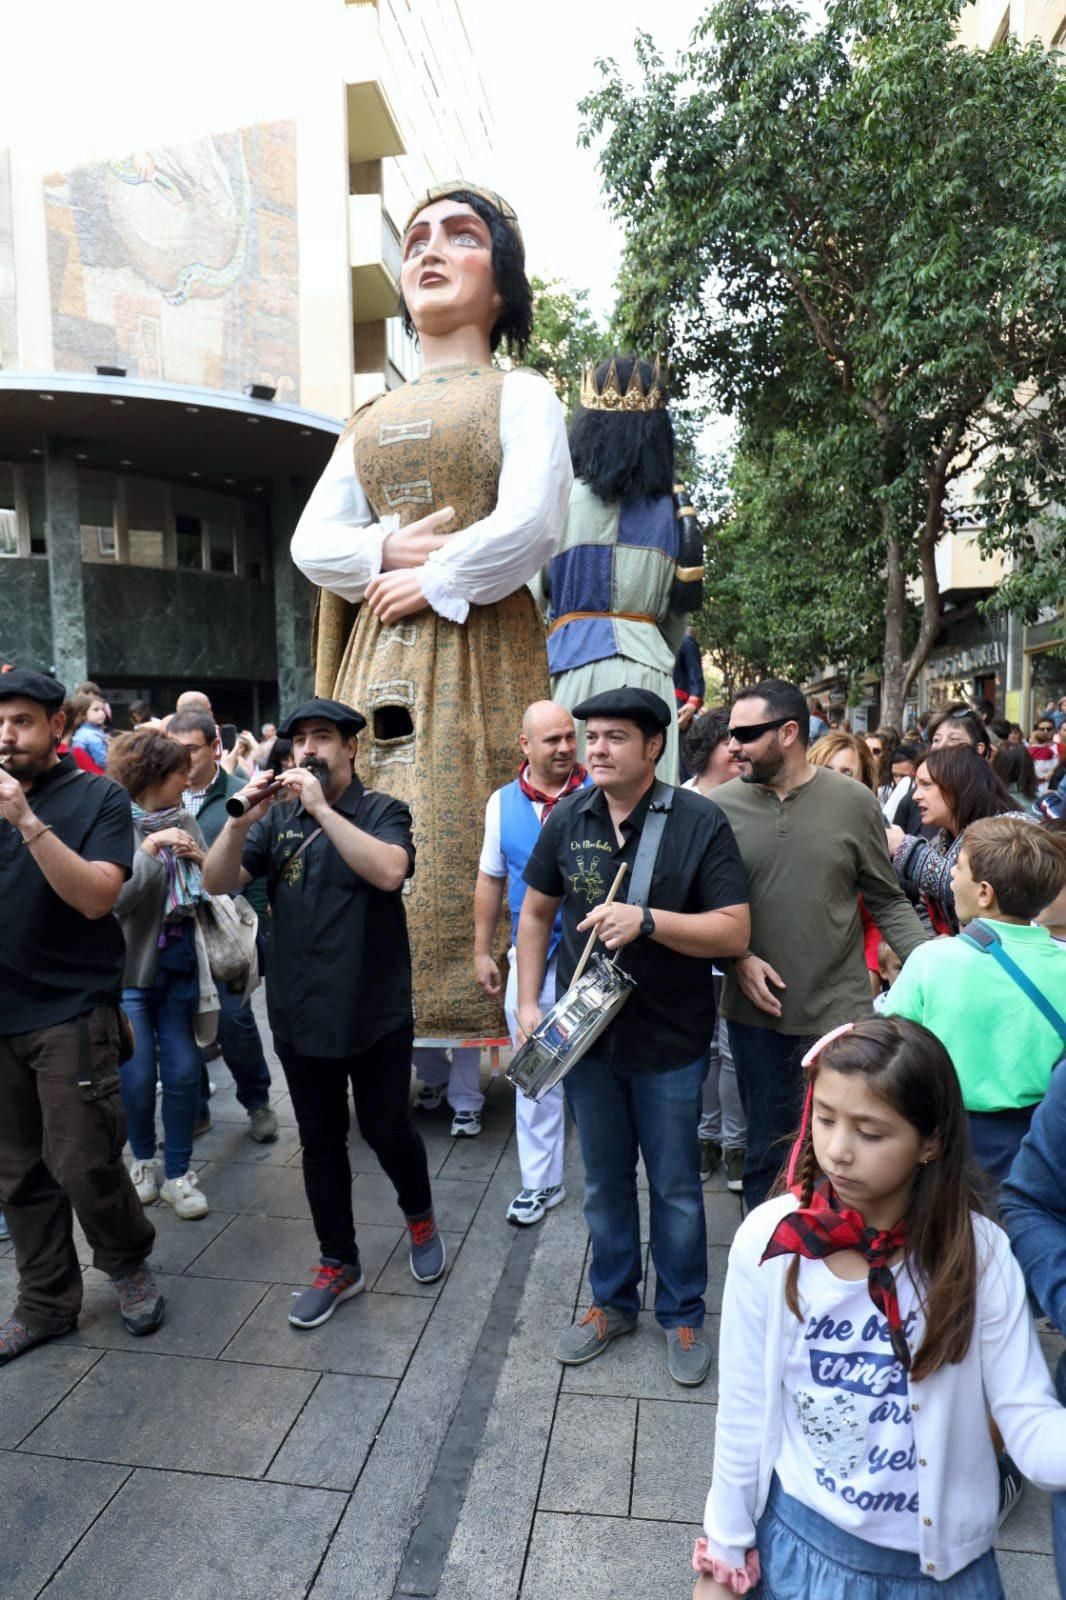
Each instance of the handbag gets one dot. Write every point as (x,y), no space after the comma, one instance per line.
(229,927)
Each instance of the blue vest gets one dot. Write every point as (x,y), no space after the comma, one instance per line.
(519,832)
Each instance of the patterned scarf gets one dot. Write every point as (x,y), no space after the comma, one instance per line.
(185,887)
(823,1228)
(550,801)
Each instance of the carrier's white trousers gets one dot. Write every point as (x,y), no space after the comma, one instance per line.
(460,1076)
(540,1125)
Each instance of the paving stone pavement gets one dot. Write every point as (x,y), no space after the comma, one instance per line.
(230,1457)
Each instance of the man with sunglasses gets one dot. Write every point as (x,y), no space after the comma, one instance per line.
(811,842)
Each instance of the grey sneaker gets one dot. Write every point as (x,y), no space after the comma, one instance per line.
(734,1169)
(428,1097)
(427,1248)
(710,1158)
(16,1338)
(589,1338)
(334,1281)
(263,1124)
(688,1356)
(140,1302)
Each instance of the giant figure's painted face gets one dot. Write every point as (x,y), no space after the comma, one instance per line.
(447,276)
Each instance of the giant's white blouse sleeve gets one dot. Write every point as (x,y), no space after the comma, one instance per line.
(337,543)
(494,557)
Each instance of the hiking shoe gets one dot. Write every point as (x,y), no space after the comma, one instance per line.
(263,1124)
(185,1196)
(734,1169)
(16,1338)
(202,1123)
(140,1302)
(531,1204)
(428,1097)
(466,1125)
(589,1338)
(145,1180)
(688,1356)
(1011,1487)
(334,1281)
(4,1231)
(710,1158)
(427,1248)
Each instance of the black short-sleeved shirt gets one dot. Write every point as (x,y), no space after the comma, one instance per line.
(340,962)
(55,963)
(668,1021)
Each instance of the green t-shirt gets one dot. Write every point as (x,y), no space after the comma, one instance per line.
(1002,1046)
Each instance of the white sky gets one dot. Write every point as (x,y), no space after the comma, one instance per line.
(539,61)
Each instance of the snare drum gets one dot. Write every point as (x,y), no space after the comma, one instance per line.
(571,1027)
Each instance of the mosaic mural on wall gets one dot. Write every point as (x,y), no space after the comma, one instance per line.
(180,262)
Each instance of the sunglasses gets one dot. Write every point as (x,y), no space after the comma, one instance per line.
(757,729)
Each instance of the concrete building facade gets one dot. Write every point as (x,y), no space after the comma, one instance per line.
(197,287)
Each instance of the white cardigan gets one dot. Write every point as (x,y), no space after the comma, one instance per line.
(1003,1371)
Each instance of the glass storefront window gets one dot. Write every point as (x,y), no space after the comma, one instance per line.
(189,539)
(9,527)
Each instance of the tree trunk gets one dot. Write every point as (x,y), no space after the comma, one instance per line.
(893,684)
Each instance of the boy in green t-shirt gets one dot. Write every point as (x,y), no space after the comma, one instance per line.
(1002,1044)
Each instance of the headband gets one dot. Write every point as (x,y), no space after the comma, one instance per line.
(444,191)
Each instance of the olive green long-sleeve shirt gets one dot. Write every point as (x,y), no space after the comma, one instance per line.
(808,857)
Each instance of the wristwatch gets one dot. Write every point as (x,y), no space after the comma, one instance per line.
(647,924)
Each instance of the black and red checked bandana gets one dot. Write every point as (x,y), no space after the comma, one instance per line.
(550,801)
(823,1228)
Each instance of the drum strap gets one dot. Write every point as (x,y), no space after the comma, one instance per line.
(651,838)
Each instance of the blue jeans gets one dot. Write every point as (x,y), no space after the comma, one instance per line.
(658,1113)
(996,1137)
(770,1080)
(163,1019)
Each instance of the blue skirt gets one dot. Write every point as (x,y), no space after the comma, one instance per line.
(806,1557)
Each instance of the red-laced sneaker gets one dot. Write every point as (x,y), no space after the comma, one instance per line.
(16,1338)
(427,1248)
(334,1281)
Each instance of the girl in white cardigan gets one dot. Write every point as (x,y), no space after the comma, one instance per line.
(873,1317)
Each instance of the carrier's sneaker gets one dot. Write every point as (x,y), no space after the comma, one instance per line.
(16,1338)
(140,1302)
(185,1196)
(428,1097)
(734,1169)
(531,1204)
(466,1125)
(427,1248)
(688,1356)
(710,1158)
(334,1281)
(589,1338)
(145,1180)
(263,1124)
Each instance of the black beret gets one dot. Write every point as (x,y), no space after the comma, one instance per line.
(347,719)
(24,684)
(636,705)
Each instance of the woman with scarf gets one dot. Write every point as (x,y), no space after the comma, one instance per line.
(872,1316)
(161,985)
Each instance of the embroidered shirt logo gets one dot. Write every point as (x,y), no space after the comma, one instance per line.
(588,881)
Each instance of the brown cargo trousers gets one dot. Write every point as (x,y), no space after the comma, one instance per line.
(62,1129)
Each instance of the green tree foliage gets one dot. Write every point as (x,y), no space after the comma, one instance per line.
(852,235)
(565,336)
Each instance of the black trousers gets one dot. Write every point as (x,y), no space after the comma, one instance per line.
(381,1087)
(62,1128)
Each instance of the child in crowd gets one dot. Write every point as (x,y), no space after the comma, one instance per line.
(1002,1042)
(870,1316)
(1053,917)
(889,967)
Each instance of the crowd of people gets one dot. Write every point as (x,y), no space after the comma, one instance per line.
(831,965)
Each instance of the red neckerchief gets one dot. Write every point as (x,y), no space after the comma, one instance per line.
(550,801)
(823,1228)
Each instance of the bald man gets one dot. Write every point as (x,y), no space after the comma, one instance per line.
(514,816)
(193,700)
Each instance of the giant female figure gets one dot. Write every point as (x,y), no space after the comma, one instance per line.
(442,500)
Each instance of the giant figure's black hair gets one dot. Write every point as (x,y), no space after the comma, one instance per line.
(624,455)
(515,321)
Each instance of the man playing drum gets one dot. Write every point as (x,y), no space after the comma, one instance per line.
(513,820)
(639,1086)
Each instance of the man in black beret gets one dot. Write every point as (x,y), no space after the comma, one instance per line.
(335,857)
(640,1085)
(66,846)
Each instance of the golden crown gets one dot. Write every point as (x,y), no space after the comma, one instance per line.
(635,397)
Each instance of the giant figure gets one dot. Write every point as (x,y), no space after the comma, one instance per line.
(442,499)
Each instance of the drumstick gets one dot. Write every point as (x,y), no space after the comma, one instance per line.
(594,935)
